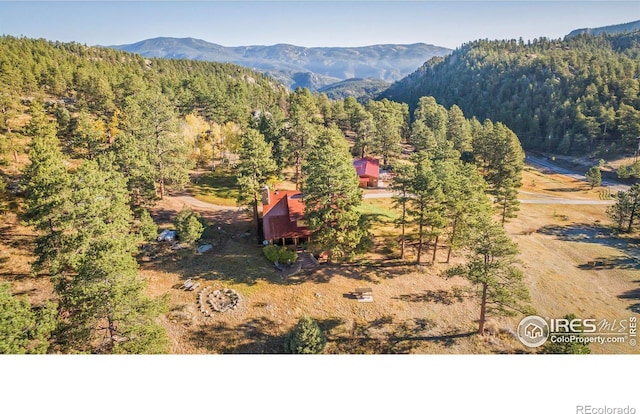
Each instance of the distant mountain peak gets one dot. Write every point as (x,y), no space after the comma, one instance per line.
(312,67)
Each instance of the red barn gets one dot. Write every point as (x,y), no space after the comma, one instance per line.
(368,169)
(283,217)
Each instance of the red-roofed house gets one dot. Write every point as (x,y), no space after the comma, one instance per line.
(283,217)
(368,169)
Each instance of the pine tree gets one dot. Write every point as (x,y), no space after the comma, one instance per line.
(148,228)
(594,176)
(427,200)
(401,185)
(305,338)
(491,268)
(332,196)
(255,169)
(46,176)
(302,129)
(458,130)
(624,212)
(150,119)
(24,330)
(465,201)
(95,273)
(390,119)
(500,158)
(189,226)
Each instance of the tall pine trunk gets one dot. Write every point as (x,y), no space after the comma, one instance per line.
(453,238)
(419,243)
(255,212)
(402,237)
(483,308)
(632,215)
(435,250)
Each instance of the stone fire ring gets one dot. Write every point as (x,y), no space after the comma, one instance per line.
(223,299)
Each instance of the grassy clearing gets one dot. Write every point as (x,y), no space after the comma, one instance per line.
(216,187)
(378,210)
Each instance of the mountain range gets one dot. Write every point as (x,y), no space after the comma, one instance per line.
(613,29)
(296,66)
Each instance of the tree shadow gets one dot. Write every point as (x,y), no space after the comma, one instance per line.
(612,262)
(368,272)
(565,190)
(588,233)
(255,336)
(633,294)
(385,336)
(441,296)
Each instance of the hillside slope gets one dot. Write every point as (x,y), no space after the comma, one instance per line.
(576,95)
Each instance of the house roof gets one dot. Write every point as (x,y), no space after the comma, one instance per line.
(281,216)
(367,167)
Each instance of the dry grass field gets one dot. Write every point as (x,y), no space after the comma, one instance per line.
(414,310)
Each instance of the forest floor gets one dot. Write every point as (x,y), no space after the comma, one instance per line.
(414,309)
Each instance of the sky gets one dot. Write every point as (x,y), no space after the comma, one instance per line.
(308,23)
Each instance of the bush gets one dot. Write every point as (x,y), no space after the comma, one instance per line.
(189,226)
(148,229)
(279,254)
(305,338)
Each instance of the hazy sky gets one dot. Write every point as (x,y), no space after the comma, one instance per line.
(308,23)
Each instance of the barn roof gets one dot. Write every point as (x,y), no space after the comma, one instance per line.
(367,167)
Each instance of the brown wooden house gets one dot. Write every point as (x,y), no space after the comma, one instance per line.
(283,217)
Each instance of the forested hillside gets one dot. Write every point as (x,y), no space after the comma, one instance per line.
(99,80)
(577,95)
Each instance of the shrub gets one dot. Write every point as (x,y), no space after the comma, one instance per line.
(189,226)
(148,229)
(305,338)
(279,254)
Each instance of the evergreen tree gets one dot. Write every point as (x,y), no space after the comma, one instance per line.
(594,176)
(189,226)
(148,228)
(89,135)
(432,116)
(273,131)
(255,170)
(46,176)
(390,119)
(465,201)
(95,273)
(305,338)
(303,126)
(491,269)
(624,212)
(500,159)
(458,130)
(427,200)
(24,330)
(332,196)
(401,185)
(150,119)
